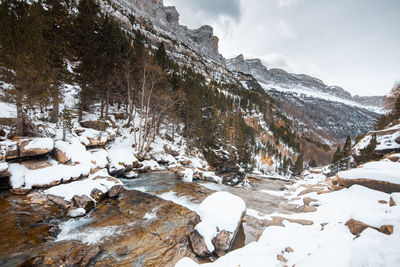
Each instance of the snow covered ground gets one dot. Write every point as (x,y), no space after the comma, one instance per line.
(327,241)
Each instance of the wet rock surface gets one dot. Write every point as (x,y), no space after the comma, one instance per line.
(130,237)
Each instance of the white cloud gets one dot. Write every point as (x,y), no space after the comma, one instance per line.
(287,3)
(285,30)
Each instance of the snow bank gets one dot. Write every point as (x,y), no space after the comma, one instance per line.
(328,241)
(219,211)
(80,188)
(385,171)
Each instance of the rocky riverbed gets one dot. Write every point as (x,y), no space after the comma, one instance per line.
(148,224)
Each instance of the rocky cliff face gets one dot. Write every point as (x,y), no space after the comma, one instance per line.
(167,18)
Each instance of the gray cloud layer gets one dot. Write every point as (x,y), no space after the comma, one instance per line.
(350,43)
(213,8)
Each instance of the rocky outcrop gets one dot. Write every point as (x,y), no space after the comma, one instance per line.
(172,15)
(97,125)
(357,227)
(370,183)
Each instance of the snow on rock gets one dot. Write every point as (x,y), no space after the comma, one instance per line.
(381,175)
(72,151)
(221,214)
(121,155)
(91,137)
(84,187)
(75,213)
(187,175)
(35,146)
(8,150)
(101,157)
(22,177)
(164,158)
(3,169)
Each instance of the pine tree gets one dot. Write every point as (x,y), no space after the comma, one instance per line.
(57,36)
(298,166)
(335,160)
(344,161)
(23,55)
(368,153)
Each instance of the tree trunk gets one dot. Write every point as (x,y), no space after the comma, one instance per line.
(56,109)
(20,117)
(102,107)
(107,101)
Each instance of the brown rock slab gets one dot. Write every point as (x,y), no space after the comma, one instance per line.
(308,200)
(25,150)
(60,156)
(382,201)
(357,227)
(373,184)
(97,125)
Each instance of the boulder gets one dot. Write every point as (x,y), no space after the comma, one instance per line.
(84,202)
(75,213)
(221,217)
(54,231)
(35,146)
(199,245)
(61,202)
(8,150)
(170,151)
(60,156)
(114,191)
(97,125)
(82,255)
(97,194)
(222,243)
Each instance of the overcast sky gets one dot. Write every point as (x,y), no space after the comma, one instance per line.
(354,44)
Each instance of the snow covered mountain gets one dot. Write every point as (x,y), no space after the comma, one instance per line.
(316,106)
(327,113)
